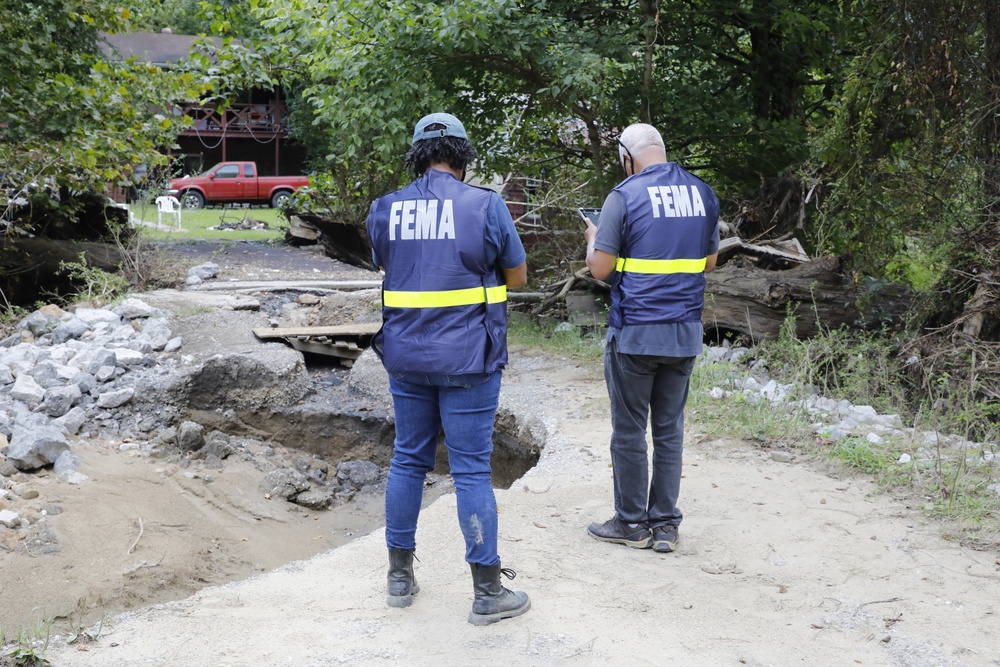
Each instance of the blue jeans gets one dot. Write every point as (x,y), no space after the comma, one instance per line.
(645,388)
(465,407)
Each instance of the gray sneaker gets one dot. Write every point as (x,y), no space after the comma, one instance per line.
(615,530)
(665,539)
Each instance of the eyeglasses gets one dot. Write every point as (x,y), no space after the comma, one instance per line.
(627,152)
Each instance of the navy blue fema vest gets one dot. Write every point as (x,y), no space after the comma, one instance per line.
(670,217)
(430,238)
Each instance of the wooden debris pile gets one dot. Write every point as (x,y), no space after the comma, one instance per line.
(346,342)
(342,241)
(751,292)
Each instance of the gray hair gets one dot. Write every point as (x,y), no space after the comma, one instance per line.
(638,138)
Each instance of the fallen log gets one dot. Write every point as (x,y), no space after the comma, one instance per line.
(754,302)
(29,267)
(342,241)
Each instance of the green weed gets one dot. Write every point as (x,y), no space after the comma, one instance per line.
(859,454)
(580,346)
(28,650)
(94,285)
(838,363)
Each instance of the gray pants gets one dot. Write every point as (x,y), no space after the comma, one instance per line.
(645,388)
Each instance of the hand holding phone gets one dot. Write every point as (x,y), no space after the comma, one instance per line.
(593,213)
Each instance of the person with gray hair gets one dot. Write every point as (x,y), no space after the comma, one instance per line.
(658,235)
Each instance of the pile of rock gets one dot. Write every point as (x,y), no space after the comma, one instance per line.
(835,420)
(69,377)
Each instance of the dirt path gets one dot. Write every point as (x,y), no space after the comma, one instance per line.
(780,564)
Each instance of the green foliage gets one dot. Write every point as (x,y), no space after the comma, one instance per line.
(898,158)
(580,346)
(85,635)
(734,91)
(28,650)
(94,285)
(858,453)
(68,114)
(838,363)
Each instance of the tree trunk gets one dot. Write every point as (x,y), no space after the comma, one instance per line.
(651,18)
(981,313)
(754,302)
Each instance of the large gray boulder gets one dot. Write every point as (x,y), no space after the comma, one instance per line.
(71,329)
(190,436)
(50,374)
(284,483)
(39,323)
(94,316)
(115,398)
(72,421)
(59,400)
(35,445)
(133,308)
(22,357)
(27,391)
(274,376)
(359,473)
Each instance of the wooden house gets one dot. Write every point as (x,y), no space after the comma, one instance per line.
(254,127)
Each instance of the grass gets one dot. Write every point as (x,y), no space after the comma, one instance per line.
(740,415)
(550,338)
(198,224)
(28,650)
(859,454)
(953,480)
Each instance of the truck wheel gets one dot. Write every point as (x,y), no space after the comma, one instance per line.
(280,198)
(192,199)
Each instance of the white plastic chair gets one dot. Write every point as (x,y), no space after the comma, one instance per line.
(171,206)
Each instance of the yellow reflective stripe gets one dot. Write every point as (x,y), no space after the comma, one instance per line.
(662,266)
(446,298)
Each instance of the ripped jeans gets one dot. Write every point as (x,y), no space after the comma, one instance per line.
(465,407)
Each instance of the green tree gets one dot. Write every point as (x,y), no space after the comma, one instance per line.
(182,17)
(733,84)
(70,114)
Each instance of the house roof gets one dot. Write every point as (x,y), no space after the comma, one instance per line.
(158,48)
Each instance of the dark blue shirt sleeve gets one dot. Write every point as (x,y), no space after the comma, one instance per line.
(713,240)
(501,235)
(368,230)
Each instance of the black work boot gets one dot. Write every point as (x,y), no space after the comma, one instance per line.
(494,602)
(402,585)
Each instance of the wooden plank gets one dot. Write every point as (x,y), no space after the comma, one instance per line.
(254,286)
(340,330)
(328,350)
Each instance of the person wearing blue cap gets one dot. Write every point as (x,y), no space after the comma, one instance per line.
(449,251)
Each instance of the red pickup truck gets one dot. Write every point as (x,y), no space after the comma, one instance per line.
(232,182)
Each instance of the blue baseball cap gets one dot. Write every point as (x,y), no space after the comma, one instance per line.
(452,127)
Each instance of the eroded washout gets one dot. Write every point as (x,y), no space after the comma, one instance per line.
(187,398)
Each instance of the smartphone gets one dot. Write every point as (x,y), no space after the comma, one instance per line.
(593,213)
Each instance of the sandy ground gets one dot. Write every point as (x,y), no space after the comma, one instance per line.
(142,530)
(779,564)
